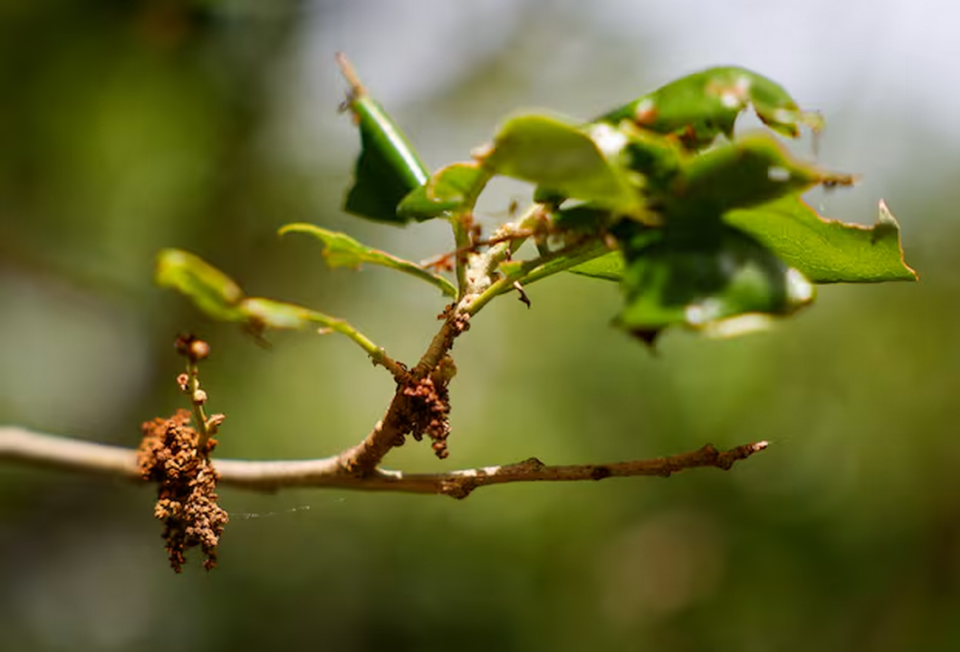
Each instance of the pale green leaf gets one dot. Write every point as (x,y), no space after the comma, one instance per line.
(340,250)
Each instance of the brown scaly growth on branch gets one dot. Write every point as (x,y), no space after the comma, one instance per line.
(186,496)
(430,406)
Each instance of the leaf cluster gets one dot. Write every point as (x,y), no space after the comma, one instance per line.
(701,226)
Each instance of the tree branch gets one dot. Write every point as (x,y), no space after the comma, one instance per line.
(18,444)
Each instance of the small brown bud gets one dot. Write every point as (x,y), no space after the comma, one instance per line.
(199,350)
(192,347)
(183,381)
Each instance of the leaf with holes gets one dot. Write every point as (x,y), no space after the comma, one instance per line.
(828,251)
(699,107)
(823,250)
(752,170)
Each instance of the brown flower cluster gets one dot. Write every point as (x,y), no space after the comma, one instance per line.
(187,499)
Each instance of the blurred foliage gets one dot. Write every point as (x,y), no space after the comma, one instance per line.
(130,127)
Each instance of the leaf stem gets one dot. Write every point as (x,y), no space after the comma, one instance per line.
(462,222)
(461,239)
(376,352)
(197,398)
(537,269)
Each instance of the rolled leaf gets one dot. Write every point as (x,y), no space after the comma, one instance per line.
(388,167)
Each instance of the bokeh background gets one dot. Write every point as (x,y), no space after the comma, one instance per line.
(130,126)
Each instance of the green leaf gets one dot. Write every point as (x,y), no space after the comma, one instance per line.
(388,167)
(217,295)
(752,170)
(719,281)
(699,107)
(608,267)
(451,189)
(340,250)
(572,161)
(583,218)
(262,314)
(828,251)
(823,250)
(212,291)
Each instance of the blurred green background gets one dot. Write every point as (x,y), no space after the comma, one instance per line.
(126,127)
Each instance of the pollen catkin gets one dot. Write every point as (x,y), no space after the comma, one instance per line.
(186,494)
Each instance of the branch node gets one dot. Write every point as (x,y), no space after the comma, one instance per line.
(458,488)
(600,473)
(531,465)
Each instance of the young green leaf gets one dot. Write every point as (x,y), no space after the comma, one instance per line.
(703,280)
(388,167)
(608,267)
(451,189)
(827,251)
(573,161)
(699,107)
(340,250)
(212,291)
(217,295)
(262,314)
(752,170)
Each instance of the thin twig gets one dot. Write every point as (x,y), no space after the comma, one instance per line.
(376,352)
(18,444)
(197,398)
(444,259)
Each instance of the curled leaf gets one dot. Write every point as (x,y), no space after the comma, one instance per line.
(212,291)
(388,167)
(217,295)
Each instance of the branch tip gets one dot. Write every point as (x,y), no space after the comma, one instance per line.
(348,72)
